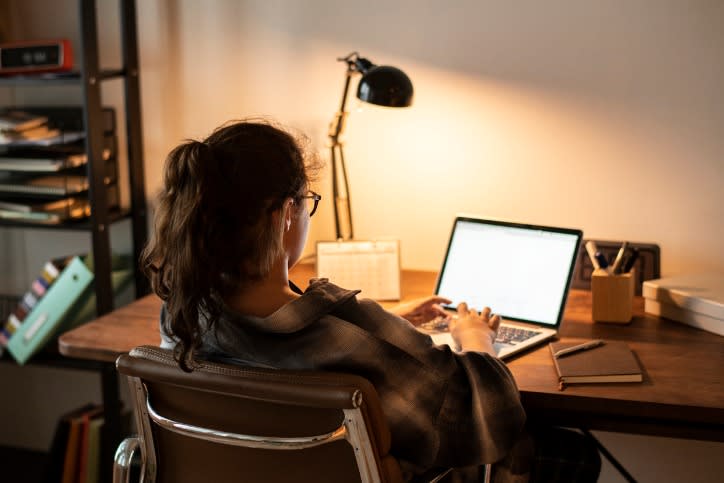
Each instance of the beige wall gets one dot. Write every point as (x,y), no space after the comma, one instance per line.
(602,115)
(606,116)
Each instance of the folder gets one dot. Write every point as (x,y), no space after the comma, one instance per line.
(42,322)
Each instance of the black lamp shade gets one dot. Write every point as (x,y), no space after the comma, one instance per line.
(385,86)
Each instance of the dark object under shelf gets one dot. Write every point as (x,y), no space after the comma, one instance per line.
(20,465)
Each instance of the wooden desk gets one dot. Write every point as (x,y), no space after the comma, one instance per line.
(682,394)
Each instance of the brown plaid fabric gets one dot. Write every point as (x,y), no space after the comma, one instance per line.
(444,408)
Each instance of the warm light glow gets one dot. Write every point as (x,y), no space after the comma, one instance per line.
(499,150)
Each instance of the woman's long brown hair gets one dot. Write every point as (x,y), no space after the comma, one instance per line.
(213,227)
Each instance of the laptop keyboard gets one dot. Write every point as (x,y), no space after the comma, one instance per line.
(507,334)
(514,335)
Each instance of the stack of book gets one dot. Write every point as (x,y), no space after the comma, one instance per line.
(693,299)
(43,164)
(16,125)
(75,449)
(60,298)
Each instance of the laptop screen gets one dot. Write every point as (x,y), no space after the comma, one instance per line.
(521,272)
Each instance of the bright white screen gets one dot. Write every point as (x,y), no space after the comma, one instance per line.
(518,272)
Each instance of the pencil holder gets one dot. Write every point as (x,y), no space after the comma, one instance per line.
(612,296)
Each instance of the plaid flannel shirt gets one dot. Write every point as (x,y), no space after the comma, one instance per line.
(444,408)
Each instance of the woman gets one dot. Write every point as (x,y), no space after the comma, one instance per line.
(232,220)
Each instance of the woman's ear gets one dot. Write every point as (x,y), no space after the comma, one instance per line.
(288,211)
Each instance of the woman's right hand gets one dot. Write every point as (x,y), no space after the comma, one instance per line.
(474,331)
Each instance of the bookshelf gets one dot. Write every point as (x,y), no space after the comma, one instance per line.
(89,78)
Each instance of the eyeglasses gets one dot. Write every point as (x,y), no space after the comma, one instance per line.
(313,202)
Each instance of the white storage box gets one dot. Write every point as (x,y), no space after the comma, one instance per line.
(694,299)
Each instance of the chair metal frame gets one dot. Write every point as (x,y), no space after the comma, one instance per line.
(352,429)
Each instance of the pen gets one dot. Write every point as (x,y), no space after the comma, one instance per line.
(624,261)
(631,260)
(616,268)
(602,262)
(592,249)
(578,348)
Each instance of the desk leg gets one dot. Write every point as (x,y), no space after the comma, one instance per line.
(609,457)
(112,414)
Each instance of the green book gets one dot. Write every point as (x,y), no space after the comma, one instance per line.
(43,322)
(93,461)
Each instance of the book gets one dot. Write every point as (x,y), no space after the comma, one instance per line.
(43,159)
(84,444)
(612,361)
(696,299)
(93,459)
(53,469)
(51,159)
(78,421)
(45,185)
(70,118)
(71,451)
(19,120)
(63,208)
(46,318)
(66,121)
(51,138)
(49,212)
(38,133)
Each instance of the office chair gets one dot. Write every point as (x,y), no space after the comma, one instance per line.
(225,423)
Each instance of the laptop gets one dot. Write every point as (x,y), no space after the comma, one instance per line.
(522,272)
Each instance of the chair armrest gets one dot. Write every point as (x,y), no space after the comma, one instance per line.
(122,460)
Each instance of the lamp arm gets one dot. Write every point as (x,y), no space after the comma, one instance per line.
(337,125)
(342,203)
(336,128)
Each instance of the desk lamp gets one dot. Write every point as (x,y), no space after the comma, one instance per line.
(382,85)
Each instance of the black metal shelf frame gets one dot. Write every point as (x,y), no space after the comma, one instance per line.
(90,77)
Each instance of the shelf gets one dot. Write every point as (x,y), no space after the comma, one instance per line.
(114,216)
(50,357)
(68,78)
(88,78)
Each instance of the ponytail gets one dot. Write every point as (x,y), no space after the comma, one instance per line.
(213,228)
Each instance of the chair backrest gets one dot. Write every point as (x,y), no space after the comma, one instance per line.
(228,423)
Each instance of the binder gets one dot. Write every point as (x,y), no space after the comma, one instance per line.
(43,321)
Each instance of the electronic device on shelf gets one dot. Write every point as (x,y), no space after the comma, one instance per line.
(35,56)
